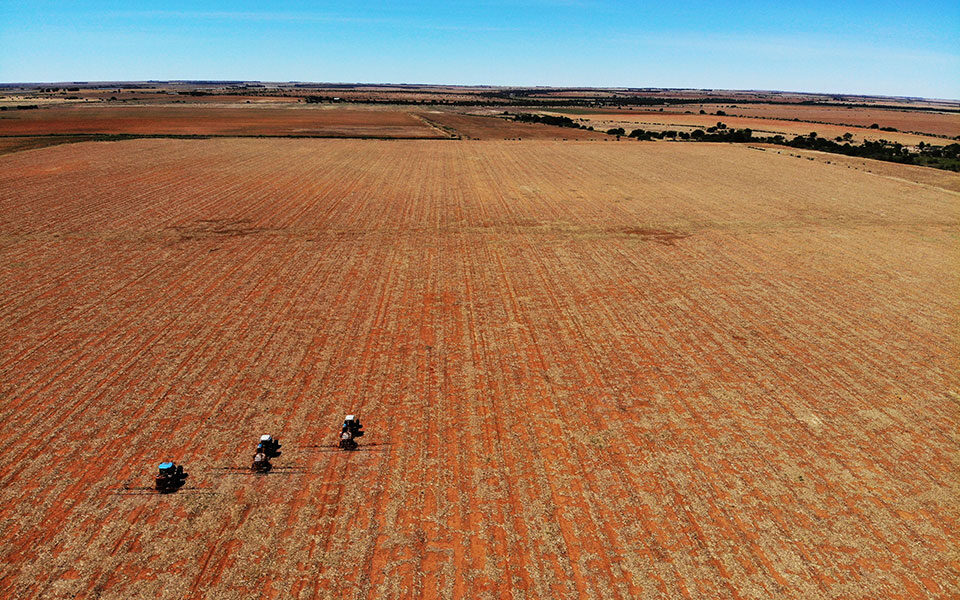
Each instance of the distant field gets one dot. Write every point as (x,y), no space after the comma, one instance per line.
(940,123)
(587,370)
(490,127)
(945,180)
(17,144)
(215,120)
(664,120)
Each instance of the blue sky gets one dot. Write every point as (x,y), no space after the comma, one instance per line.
(877,47)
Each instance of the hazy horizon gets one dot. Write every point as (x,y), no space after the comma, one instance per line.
(854,48)
(461,85)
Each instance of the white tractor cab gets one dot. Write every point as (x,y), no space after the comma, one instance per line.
(269,446)
(352,424)
(350,430)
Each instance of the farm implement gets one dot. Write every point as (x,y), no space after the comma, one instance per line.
(170,477)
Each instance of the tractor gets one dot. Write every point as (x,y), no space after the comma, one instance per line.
(170,477)
(352,423)
(261,463)
(349,431)
(269,446)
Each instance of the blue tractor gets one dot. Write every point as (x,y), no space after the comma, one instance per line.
(170,477)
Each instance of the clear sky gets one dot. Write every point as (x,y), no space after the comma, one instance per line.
(873,47)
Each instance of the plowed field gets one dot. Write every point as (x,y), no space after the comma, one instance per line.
(941,123)
(488,127)
(762,126)
(18,144)
(587,370)
(216,120)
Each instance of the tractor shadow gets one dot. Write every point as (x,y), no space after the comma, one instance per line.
(128,490)
(372,447)
(286,470)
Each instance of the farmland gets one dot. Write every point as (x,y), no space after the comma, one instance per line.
(659,121)
(494,127)
(941,123)
(591,370)
(18,143)
(906,119)
(227,119)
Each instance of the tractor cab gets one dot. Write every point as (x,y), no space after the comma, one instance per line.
(350,430)
(170,477)
(269,446)
(352,424)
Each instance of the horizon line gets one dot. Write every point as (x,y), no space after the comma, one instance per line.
(92,82)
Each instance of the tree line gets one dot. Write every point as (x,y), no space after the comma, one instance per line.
(940,157)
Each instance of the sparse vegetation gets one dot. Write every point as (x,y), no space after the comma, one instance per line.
(940,157)
(557,121)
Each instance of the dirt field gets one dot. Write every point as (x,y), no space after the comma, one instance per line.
(921,121)
(490,127)
(17,144)
(659,121)
(591,370)
(936,178)
(324,121)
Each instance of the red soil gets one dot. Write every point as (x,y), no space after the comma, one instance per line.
(215,120)
(586,370)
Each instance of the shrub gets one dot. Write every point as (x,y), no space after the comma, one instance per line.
(547,120)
